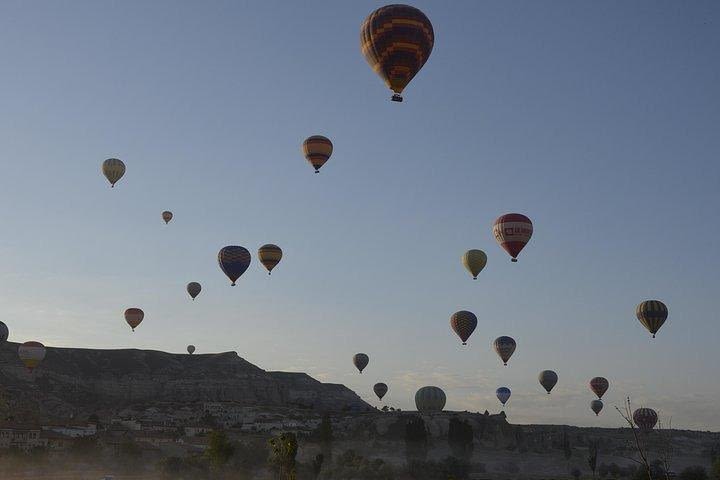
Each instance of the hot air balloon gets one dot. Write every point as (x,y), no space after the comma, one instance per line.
(512,232)
(503,394)
(380,390)
(645,418)
(504,347)
(652,314)
(317,150)
(3,333)
(167,216)
(234,261)
(194,289)
(31,354)
(191,349)
(133,317)
(113,169)
(430,400)
(548,379)
(474,261)
(596,406)
(360,360)
(396,41)
(463,323)
(599,385)
(269,255)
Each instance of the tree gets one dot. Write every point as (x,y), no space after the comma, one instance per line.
(415,439)
(220,449)
(565,445)
(693,473)
(317,464)
(593,456)
(575,472)
(716,469)
(325,435)
(460,438)
(283,450)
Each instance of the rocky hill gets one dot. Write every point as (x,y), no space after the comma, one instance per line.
(76,382)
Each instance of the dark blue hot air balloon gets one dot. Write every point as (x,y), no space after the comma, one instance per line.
(234,260)
(503,394)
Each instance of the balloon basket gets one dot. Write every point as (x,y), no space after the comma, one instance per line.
(397,98)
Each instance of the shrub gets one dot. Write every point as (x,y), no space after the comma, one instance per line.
(693,473)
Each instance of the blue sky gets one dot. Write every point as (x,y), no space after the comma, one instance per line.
(599,120)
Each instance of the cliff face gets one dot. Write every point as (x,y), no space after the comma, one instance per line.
(78,381)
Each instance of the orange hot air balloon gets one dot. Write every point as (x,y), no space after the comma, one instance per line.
(133,317)
(463,324)
(317,150)
(396,41)
(270,255)
(31,354)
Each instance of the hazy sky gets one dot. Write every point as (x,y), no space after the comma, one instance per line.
(599,120)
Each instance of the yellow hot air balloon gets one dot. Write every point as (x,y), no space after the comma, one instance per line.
(31,354)
(317,150)
(474,261)
(270,255)
(113,169)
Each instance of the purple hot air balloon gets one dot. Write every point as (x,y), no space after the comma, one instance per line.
(234,260)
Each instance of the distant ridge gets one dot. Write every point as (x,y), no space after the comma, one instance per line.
(80,381)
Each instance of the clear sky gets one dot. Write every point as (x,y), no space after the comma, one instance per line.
(599,120)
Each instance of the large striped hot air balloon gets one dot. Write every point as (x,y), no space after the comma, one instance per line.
(31,354)
(645,418)
(504,346)
(512,232)
(503,394)
(380,390)
(234,260)
(360,360)
(463,324)
(317,150)
(596,406)
(474,262)
(193,289)
(113,169)
(133,317)
(652,314)
(599,385)
(396,41)
(430,400)
(270,255)
(4,333)
(167,216)
(548,379)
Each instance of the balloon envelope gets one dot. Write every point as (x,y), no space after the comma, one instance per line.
(548,379)
(463,324)
(31,354)
(167,216)
(512,232)
(474,261)
(380,390)
(599,385)
(317,150)
(270,255)
(194,289)
(191,349)
(133,317)
(652,314)
(430,400)
(503,394)
(396,41)
(113,169)
(360,360)
(645,418)
(233,261)
(4,333)
(504,346)
(596,406)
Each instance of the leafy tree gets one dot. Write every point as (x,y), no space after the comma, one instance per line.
(693,473)
(565,445)
(220,449)
(317,464)
(415,439)
(283,450)
(716,469)
(603,470)
(325,435)
(575,472)
(592,456)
